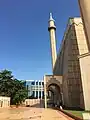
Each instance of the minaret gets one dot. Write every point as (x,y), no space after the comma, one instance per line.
(52,30)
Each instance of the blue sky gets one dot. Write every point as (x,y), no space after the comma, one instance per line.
(24,37)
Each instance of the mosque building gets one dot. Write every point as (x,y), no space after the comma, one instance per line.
(70,82)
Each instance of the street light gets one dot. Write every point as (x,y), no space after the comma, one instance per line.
(45,92)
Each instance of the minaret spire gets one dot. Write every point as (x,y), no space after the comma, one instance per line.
(52,29)
(51,18)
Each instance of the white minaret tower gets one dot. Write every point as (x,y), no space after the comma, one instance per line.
(52,30)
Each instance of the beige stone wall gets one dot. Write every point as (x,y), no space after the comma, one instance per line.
(71,71)
(67,64)
(73,63)
(85,14)
(85,74)
(56,69)
(32,102)
(4,102)
(83,49)
(65,73)
(81,38)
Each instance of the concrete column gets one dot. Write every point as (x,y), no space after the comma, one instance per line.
(41,89)
(85,14)
(85,77)
(35,88)
(38,89)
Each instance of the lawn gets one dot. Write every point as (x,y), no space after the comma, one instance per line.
(76,113)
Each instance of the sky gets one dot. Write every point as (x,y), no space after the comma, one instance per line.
(24,37)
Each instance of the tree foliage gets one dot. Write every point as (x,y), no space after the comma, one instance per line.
(11,87)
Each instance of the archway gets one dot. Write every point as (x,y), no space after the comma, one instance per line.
(54,85)
(55,98)
(50,98)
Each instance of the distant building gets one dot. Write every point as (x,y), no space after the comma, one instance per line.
(35,88)
(4,102)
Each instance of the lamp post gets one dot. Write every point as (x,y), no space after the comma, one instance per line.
(45,92)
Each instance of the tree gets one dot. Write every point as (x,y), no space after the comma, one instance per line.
(6,83)
(19,97)
(20,92)
(11,87)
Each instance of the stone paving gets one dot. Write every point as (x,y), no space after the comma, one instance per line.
(26,113)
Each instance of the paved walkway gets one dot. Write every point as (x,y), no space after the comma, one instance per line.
(31,114)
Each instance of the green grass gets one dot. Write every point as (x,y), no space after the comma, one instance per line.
(76,113)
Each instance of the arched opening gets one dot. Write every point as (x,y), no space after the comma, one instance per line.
(54,96)
(50,98)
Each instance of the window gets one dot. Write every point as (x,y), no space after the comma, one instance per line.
(39,83)
(42,94)
(33,83)
(36,83)
(39,94)
(36,94)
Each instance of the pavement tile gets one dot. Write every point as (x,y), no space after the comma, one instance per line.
(32,113)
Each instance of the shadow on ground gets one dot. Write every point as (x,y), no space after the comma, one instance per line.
(37,105)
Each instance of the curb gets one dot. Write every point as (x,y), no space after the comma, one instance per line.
(70,115)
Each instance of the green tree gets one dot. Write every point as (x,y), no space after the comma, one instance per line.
(11,87)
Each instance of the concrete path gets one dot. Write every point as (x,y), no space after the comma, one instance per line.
(31,114)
